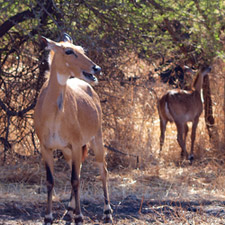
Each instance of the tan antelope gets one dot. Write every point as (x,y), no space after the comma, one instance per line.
(68,116)
(182,106)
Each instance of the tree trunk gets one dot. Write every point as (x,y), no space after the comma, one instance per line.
(209,119)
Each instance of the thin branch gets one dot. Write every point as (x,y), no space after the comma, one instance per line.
(19,113)
(122,153)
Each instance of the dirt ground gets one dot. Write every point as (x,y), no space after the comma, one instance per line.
(163,193)
(126,212)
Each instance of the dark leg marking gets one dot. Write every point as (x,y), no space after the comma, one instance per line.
(50,184)
(75,181)
(49,175)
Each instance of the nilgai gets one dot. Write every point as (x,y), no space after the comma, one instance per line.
(181,106)
(67,117)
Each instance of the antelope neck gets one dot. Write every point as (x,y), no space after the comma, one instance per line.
(56,88)
(198,82)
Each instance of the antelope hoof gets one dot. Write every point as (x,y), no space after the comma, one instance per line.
(48,221)
(107,216)
(79,219)
(184,155)
(191,158)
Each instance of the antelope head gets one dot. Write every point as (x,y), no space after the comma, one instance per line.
(70,60)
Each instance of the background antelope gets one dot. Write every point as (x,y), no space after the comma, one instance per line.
(182,106)
(68,116)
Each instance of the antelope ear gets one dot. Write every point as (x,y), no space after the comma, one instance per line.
(67,38)
(187,69)
(44,41)
(205,70)
(49,44)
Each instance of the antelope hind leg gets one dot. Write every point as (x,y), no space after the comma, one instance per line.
(97,146)
(193,135)
(181,141)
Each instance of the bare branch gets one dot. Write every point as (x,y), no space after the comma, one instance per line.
(18,18)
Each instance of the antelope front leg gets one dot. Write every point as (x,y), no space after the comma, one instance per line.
(70,208)
(67,152)
(185,132)
(75,182)
(48,159)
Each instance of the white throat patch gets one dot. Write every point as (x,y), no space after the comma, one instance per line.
(62,79)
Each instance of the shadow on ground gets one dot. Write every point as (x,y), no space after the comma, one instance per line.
(130,210)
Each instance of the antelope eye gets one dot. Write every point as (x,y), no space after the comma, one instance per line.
(69,52)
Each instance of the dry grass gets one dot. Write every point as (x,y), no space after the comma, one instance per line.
(161,190)
(164,193)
